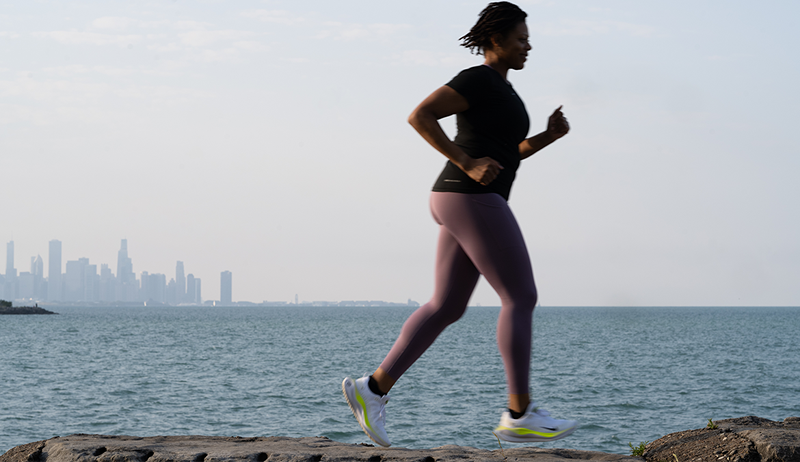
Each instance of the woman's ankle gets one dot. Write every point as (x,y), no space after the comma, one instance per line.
(383,381)
(519,402)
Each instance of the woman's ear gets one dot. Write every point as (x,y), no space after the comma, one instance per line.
(496,40)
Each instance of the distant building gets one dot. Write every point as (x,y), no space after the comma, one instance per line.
(10,291)
(124,264)
(127,286)
(10,259)
(180,283)
(156,288)
(54,271)
(145,279)
(37,270)
(25,286)
(91,283)
(72,280)
(75,280)
(108,284)
(191,288)
(226,287)
(198,294)
(172,293)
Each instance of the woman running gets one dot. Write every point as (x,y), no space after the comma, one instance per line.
(478,233)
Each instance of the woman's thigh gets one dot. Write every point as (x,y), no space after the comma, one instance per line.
(486,230)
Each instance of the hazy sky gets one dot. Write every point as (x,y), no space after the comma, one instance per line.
(269,138)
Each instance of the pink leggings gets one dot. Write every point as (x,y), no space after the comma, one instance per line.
(478,235)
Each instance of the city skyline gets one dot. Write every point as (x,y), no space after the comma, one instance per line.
(81,282)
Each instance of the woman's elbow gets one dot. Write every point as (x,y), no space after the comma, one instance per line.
(414,118)
(420,118)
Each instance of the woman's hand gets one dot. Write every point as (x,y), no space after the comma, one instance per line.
(557,125)
(483,170)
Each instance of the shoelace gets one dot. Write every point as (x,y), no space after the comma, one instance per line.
(382,409)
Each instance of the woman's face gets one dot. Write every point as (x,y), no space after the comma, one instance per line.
(513,48)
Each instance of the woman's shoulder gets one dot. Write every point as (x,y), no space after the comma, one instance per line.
(471,78)
(479,70)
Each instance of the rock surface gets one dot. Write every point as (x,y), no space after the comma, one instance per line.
(743,439)
(86,448)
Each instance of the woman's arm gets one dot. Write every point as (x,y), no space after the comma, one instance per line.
(557,126)
(425,119)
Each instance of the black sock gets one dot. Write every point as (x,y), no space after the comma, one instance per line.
(373,386)
(516,415)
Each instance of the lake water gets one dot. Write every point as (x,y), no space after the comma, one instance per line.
(627,374)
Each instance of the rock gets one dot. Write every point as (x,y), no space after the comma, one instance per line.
(743,439)
(24,310)
(100,448)
(775,441)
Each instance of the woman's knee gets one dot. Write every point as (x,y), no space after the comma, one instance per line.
(445,313)
(524,299)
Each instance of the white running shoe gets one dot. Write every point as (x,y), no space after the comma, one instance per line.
(535,425)
(368,408)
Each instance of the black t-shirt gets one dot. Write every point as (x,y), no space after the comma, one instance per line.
(493,126)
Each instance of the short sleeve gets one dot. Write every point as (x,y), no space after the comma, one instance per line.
(471,84)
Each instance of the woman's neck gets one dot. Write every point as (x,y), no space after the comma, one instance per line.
(502,70)
(493,62)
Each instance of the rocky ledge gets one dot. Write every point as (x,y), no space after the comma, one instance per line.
(24,310)
(86,448)
(745,439)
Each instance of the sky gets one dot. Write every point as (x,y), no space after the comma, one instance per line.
(269,138)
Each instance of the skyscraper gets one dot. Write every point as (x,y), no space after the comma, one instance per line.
(10,259)
(157,288)
(72,280)
(75,280)
(190,288)
(124,264)
(198,293)
(108,291)
(126,280)
(91,283)
(226,288)
(11,273)
(180,283)
(54,271)
(37,270)
(25,285)
(172,292)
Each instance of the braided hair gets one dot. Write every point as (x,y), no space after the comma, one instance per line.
(497,18)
